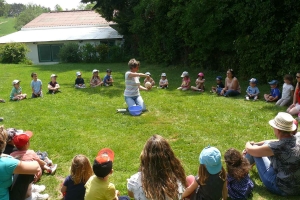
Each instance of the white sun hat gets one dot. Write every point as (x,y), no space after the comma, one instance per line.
(283,121)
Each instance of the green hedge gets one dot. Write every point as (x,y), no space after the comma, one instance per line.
(14,53)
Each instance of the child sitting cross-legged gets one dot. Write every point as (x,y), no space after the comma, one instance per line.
(98,186)
(239,184)
(80,172)
(21,141)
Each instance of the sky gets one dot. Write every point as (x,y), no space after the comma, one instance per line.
(69,4)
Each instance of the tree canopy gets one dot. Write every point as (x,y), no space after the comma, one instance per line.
(256,38)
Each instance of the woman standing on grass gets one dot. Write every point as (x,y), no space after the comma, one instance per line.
(161,174)
(133,86)
(278,161)
(232,85)
(10,166)
(294,109)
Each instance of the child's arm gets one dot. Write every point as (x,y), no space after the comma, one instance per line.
(40,90)
(225,191)
(190,189)
(63,189)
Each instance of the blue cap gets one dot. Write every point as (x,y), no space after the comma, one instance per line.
(219,78)
(211,158)
(273,82)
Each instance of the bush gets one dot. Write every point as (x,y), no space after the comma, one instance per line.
(89,53)
(102,50)
(70,53)
(115,54)
(13,53)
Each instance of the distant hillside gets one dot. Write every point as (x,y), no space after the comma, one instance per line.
(7,26)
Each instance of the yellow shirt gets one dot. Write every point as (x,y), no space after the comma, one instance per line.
(99,189)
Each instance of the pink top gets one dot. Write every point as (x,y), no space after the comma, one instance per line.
(27,155)
(186,82)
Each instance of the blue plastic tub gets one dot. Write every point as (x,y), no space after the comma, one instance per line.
(135,110)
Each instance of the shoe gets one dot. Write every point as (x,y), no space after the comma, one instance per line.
(38,196)
(1,119)
(247,98)
(37,188)
(255,98)
(2,101)
(52,169)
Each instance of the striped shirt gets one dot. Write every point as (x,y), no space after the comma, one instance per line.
(131,85)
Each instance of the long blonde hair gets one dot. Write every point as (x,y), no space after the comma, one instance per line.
(81,169)
(160,169)
(3,138)
(203,174)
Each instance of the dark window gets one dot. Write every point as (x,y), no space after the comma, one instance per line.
(49,52)
(108,42)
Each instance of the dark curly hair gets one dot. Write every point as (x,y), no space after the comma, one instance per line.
(237,166)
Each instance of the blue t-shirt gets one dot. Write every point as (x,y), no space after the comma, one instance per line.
(275,92)
(36,85)
(74,192)
(106,78)
(15,91)
(252,90)
(239,189)
(7,167)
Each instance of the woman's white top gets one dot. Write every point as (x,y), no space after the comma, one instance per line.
(131,85)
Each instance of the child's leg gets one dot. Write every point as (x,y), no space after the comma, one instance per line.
(194,88)
(180,88)
(266,97)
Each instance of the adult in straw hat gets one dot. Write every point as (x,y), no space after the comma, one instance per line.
(278,161)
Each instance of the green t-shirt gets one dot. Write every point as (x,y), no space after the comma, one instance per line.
(15,91)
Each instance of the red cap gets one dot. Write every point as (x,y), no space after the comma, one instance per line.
(105,155)
(21,139)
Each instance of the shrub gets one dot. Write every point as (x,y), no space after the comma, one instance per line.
(102,50)
(89,53)
(70,53)
(13,53)
(115,54)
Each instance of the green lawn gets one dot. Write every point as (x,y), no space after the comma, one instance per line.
(7,26)
(84,121)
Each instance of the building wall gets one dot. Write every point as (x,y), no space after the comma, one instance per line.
(34,56)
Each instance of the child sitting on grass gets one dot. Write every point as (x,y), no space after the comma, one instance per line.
(239,184)
(80,172)
(163,82)
(79,81)
(16,92)
(98,186)
(287,91)
(53,86)
(108,80)
(199,83)
(22,143)
(219,86)
(96,80)
(36,86)
(252,91)
(186,81)
(274,94)
(211,180)
(149,79)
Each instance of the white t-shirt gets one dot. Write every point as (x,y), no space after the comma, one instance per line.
(162,82)
(131,85)
(286,91)
(134,185)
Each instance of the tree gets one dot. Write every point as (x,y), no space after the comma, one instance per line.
(89,6)
(31,12)
(15,9)
(81,6)
(58,8)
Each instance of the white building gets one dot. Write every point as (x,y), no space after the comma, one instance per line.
(48,32)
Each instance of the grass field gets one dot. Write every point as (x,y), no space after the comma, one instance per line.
(84,121)
(7,26)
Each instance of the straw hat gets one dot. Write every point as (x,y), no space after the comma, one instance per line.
(283,121)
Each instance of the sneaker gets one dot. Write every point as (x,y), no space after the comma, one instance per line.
(2,101)
(1,119)
(255,98)
(37,188)
(38,196)
(247,98)
(52,169)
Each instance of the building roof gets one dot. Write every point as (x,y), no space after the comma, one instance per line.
(61,34)
(67,18)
